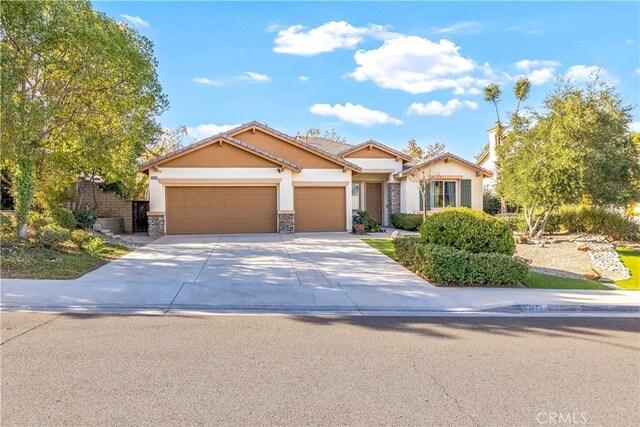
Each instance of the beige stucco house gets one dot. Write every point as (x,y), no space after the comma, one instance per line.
(255,179)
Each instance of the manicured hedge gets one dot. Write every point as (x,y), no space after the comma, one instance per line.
(449,266)
(406,221)
(469,230)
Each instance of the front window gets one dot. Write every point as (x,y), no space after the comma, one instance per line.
(443,194)
(355,196)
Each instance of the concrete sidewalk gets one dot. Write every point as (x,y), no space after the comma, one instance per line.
(87,296)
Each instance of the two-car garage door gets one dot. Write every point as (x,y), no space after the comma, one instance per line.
(214,210)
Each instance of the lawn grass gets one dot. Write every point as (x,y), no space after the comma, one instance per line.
(547,281)
(631,258)
(384,246)
(25,260)
(535,280)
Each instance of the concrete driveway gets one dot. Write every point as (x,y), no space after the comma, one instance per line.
(329,259)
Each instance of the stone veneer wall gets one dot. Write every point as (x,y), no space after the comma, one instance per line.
(107,204)
(286,223)
(393,194)
(156,225)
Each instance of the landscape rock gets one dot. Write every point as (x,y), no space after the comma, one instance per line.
(591,274)
(396,235)
(522,240)
(583,247)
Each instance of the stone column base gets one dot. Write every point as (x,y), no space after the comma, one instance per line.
(286,223)
(156,225)
(393,194)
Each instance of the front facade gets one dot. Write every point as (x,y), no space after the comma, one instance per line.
(254,179)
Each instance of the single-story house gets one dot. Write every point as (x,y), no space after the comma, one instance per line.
(255,179)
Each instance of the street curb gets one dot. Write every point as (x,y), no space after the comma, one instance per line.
(564,308)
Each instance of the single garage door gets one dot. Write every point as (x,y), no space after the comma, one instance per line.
(213,210)
(319,209)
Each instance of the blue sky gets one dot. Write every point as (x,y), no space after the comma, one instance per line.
(387,71)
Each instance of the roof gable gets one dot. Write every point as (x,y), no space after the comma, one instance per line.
(285,146)
(444,158)
(374,149)
(185,157)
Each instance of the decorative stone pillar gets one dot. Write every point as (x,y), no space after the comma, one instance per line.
(156,224)
(286,223)
(393,195)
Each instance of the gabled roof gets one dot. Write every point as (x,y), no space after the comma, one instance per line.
(378,145)
(482,156)
(294,141)
(443,157)
(216,138)
(325,144)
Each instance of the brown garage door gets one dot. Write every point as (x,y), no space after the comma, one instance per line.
(319,209)
(212,210)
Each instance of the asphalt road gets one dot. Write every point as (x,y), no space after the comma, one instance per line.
(248,370)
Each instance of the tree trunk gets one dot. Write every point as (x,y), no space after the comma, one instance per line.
(503,206)
(23,189)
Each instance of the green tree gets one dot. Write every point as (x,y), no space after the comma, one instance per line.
(577,149)
(79,94)
(419,153)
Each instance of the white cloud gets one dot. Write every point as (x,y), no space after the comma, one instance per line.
(634,127)
(638,71)
(474,91)
(630,41)
(303,78)
(206,81)
(356,114)
(256,77)
(585,73)
(464,26)
(135,20)
(220,81)
(436,108)
(415,65)
(541,76)
(528,64)
(300,40)
(207,130)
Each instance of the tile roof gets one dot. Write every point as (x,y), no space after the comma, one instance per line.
(328,145)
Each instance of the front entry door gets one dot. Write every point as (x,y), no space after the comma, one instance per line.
(374,200)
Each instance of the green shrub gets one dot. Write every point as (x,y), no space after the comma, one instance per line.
(94,246)
(516,223)
(7,226)
(598,220)
(469,230)
(37,221)
(490,202)
(553,223)
(449,266)
(406,221)
(63,217)
(81,238)
(364,218)
(51,236)
(86,218)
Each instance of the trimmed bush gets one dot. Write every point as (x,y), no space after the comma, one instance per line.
(81,238)
(86,218)
(469,230)
(51,236)
(596,220)
(406,221)
(63,217)
(449,266)
(37,221)
(94,246)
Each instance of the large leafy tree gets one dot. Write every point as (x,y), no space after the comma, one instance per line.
(79,94)
(577,149)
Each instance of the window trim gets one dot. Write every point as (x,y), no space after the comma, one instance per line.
(432,198)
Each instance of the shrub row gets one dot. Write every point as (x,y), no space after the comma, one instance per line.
(450,266)
(469,230)
(598,220)
(406,221)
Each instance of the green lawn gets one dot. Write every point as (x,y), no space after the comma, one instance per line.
(535,280)
(631,258)
(547,281)
(383,245)
(24,260)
